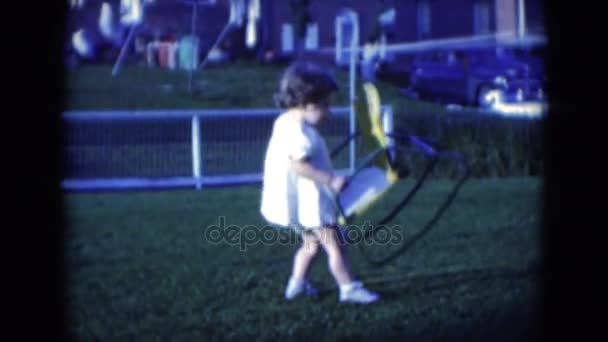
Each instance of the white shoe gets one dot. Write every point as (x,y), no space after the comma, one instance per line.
(356,293)
(295,289)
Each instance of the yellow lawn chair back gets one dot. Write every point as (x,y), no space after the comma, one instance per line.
(369,119)
(368,184)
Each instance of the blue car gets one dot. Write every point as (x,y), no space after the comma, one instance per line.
(468,77)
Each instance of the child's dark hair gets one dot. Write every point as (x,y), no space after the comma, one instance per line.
(304,83)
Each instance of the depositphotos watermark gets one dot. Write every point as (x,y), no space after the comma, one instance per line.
(249,235)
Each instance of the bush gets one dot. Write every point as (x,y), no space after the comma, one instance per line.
(495,146)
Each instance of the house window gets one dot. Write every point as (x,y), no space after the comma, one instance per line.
(481,17)
(423,9)
(287,44)
(506,16)
(312,36)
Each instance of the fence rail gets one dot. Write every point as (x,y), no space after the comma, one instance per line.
(151,149)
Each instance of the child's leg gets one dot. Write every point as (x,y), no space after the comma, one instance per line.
(304,257)
(339,266)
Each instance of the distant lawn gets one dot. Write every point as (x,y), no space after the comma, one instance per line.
(237,85)
(140,269)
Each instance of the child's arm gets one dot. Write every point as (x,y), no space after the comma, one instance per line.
(305,169)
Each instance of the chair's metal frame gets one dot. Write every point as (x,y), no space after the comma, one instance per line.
(400,145)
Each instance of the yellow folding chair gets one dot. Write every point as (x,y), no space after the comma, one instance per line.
(378,172)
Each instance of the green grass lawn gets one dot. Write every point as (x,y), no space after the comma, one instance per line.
(141,269)
(238,85)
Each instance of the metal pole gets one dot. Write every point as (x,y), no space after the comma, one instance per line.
(191,67)
(123,52)
(521,18)
(217,42)
(338,51)
(353,86)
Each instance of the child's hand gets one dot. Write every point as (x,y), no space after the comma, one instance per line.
(337,183)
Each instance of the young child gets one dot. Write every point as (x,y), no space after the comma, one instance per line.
(296,167)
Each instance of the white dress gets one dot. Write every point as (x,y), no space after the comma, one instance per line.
(288,199)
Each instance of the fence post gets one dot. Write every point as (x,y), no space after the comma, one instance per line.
(196,151)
